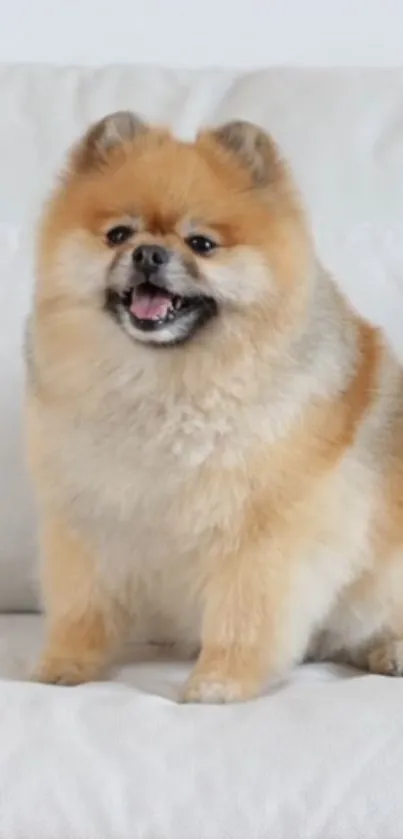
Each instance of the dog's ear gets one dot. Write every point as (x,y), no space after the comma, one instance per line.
(253,147)
(104,138)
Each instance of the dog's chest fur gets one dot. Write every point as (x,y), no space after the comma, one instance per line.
(153,475)
(156,482)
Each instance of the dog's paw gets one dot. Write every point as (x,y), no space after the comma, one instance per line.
(213,689)
(69,672)
(387,658)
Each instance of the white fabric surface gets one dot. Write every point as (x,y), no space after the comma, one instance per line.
(342,131)
(319,758)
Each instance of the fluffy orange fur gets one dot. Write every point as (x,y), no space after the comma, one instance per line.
(240,492)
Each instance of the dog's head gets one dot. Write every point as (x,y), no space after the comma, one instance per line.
(175,240)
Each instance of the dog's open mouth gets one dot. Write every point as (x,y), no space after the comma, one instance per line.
(154,309)
(151,307)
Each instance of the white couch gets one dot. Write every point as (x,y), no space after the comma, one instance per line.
(322,757)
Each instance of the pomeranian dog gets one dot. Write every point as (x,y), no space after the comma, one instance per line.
(215,437)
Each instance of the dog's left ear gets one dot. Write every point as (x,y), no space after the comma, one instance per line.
(254,149)
(104,137)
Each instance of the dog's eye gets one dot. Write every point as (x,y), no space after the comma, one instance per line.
(201,244)
(119,234)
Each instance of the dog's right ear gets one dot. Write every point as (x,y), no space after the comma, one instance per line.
(104,138)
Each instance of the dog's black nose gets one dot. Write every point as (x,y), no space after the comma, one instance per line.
(149,258)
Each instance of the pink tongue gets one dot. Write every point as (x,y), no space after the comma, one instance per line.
(150,307)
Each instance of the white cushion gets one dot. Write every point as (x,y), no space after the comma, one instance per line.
(341,130)
(319,758)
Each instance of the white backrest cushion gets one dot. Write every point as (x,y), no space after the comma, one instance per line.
(341,130)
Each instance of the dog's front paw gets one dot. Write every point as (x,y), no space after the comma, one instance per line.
(214,688)
(63,671)
(387,658)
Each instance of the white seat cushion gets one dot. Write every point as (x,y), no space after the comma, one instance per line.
(318,758)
